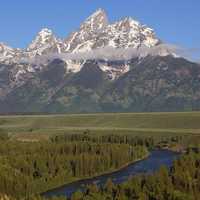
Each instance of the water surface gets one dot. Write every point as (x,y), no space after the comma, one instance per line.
(156,159)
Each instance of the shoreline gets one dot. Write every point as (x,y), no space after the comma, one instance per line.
(78,180)
(96,176)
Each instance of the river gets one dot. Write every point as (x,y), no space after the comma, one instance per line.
(156,159)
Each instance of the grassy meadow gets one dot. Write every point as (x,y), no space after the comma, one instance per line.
(34,127)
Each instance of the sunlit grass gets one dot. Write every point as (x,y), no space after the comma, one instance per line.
(105,123)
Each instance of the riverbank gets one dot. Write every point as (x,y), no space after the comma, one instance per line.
(177,148)
(152,163)
(83,179)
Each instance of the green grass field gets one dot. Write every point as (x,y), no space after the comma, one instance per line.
(41,126)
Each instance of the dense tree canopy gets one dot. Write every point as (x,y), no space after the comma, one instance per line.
(29,168)
(32,167)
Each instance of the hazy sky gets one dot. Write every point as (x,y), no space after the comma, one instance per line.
(175,21)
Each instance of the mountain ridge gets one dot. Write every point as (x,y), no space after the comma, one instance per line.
(117,67)
(95,32)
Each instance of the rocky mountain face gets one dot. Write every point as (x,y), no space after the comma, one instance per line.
(75,74)
(96,32)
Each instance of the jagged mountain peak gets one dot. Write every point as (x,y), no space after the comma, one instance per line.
(70,81)
(45,33)
(96,33)
(81,40)
(44,43)
(46,30)
(98,13)
(4,46)
(131,33)
(97,21)
(7,53)
(44,37)
(129,21)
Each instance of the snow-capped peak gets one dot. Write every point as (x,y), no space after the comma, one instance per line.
(44,43)
(94,33)
(45,36)
(45,33)
(129,21)
(82,40)
(97,21)
(130,33)
(98,12)
(7,53)
(4,49)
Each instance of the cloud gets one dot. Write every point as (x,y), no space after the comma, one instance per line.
(110,53)
(192,54)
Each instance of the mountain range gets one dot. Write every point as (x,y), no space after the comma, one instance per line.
(101,67)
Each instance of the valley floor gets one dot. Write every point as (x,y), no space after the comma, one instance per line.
(37,127)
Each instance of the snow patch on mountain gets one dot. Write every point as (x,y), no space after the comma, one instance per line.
(7,53)
(114,71)
(73,66)
(130,33)
(44,43)
(95,39)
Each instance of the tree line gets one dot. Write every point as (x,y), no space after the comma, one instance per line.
(181,182)
(28,168)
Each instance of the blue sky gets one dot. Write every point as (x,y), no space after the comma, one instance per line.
(175,21)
